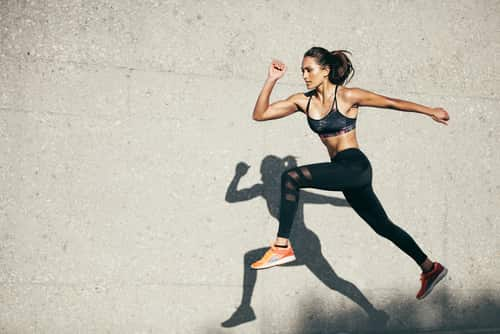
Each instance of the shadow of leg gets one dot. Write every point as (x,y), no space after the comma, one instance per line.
(324,272)
(244,312)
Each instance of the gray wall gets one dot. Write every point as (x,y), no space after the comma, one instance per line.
(121,125)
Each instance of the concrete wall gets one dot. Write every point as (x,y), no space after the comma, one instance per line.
(121,126)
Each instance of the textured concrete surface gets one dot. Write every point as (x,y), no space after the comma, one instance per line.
(121,126)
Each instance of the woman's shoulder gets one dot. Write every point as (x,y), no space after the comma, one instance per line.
(300,99)
(349,93)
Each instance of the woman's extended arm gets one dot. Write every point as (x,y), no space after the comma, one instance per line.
(264,111)
(361,97)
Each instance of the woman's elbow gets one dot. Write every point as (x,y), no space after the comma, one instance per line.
(259,117)
(256,118)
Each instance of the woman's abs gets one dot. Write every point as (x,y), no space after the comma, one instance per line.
(340,142)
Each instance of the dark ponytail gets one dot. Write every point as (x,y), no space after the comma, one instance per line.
(341,70)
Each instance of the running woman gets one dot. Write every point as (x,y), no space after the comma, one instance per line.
(331,109)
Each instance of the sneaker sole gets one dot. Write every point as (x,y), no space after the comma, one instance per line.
(436,281)
(277,263)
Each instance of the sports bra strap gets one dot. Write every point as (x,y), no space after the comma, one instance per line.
(307,108)
(335,99)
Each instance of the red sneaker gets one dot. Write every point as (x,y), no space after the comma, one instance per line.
(274,257)
(430,279)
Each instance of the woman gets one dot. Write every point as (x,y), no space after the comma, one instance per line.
(331,110)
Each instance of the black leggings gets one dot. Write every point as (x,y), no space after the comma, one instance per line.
(350,172)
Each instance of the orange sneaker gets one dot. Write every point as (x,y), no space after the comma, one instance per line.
(274,257)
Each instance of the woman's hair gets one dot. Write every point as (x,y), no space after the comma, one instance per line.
(341,70)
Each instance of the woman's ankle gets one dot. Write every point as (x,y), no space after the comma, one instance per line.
(281,242)
(427,265)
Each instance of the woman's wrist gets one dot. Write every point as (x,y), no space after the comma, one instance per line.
(430,112)
(424,110)
(272,80)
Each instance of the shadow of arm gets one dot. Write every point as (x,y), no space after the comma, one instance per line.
(233,194)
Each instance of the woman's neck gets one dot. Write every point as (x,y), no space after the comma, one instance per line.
(325,90)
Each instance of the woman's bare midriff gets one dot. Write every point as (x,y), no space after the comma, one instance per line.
(341,142)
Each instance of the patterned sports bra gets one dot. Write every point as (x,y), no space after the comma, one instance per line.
(332,124)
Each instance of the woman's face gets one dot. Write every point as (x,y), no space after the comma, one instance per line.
(312,73)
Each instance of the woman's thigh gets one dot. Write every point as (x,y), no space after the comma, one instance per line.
(329,176)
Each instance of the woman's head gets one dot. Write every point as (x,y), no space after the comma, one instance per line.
(319,62)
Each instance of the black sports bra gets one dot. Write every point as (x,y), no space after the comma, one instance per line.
(332,124)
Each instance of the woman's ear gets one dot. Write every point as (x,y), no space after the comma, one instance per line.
(326,71)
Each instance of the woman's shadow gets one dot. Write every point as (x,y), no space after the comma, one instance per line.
(307,246)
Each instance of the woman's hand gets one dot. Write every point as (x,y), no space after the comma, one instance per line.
(440,115)
(276,70)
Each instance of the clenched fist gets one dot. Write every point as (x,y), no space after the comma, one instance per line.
(276,70)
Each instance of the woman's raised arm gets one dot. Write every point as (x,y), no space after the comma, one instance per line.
(277,109)
(264,111)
